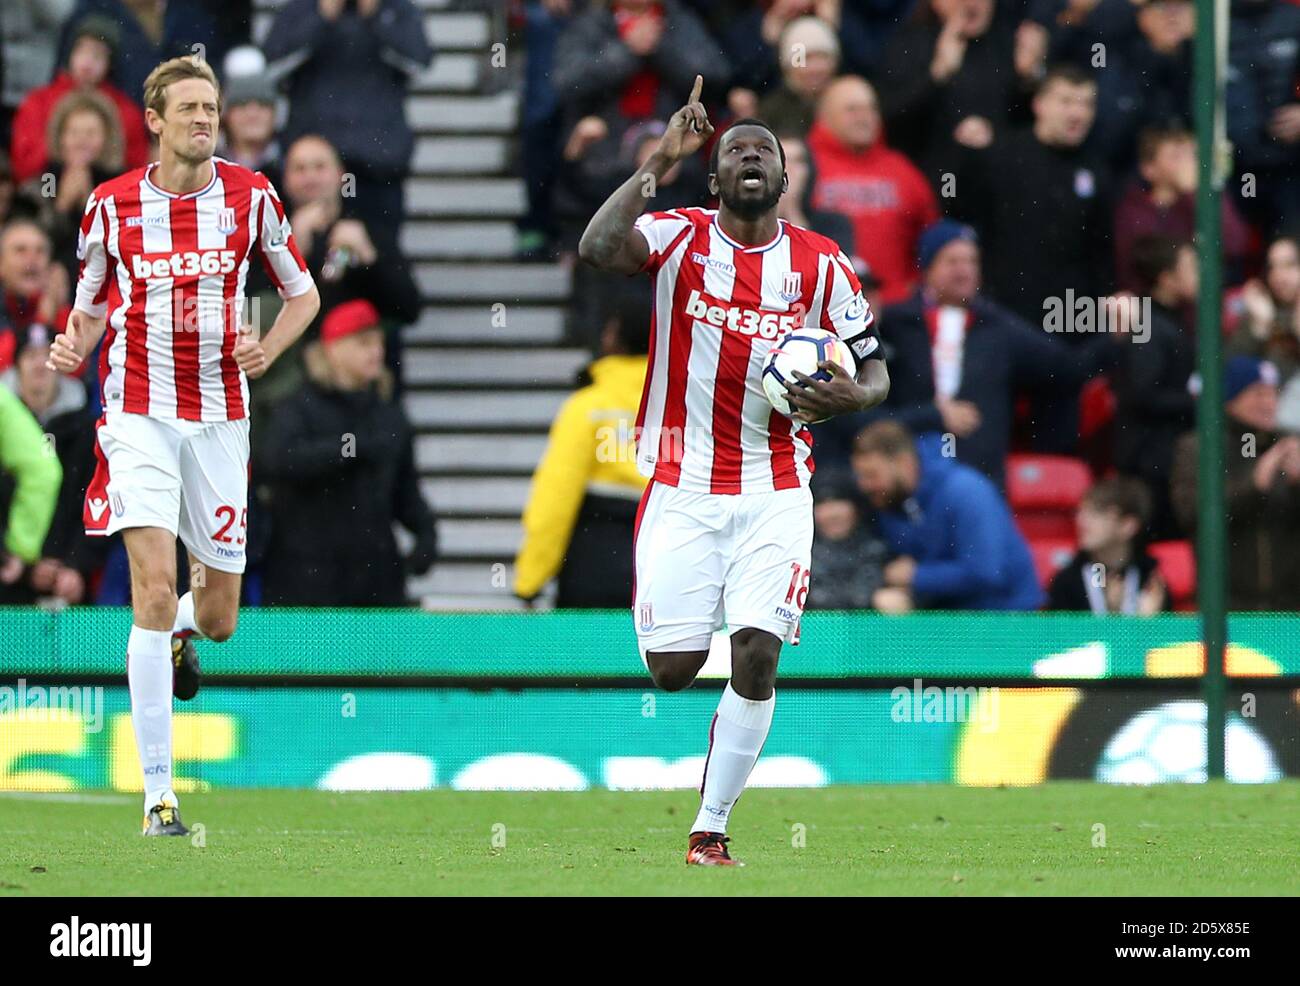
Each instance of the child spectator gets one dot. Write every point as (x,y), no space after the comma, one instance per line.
(1264,316)
(1265,320)
(1112,571)
(1164,202)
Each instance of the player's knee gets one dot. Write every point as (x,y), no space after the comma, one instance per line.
(219,627)
(754,656)
(154,599)
(674,671)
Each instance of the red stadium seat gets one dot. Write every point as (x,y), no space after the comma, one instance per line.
(1177,561)
(1050,556)
(1044,491)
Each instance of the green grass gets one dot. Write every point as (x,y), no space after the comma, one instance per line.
(948,841)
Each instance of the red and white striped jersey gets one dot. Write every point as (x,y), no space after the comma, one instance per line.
(168,272)
(719,307)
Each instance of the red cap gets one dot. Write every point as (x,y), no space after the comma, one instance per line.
(347,318)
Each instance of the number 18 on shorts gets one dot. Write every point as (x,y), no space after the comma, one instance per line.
(705,560)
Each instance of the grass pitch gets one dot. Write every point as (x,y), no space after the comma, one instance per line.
(1057,839)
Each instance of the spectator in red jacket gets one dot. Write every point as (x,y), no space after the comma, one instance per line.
(881,191)
(87,71)
(1164,203)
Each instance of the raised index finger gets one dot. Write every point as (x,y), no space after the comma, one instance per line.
(697,89)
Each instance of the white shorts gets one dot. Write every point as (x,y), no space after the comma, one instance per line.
(188,477)
(705,560)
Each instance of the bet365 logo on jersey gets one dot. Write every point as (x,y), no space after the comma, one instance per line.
(188,263)
(746,321)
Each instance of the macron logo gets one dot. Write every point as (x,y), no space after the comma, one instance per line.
(704,260)
(97,508)
(746,321)
(75,940)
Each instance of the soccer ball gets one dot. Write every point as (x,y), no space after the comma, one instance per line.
(802,350)
(1167,743)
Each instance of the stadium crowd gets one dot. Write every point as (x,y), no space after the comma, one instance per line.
(1014,182)
(995,171)
(318,109)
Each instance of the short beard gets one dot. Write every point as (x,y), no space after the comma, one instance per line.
(751,210)
(191,160)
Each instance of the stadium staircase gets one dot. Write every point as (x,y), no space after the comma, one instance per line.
(485,366)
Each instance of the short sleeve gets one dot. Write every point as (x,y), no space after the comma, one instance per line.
(662,232)
(283,261)
(92,257)
(847,313)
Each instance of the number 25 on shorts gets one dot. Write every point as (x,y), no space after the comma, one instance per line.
(226,514)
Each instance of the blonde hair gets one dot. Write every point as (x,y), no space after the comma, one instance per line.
(175,70)
(110,158)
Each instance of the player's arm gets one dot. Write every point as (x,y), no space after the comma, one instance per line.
(850,317)
(611,241)
(255,355)
(841,394)
(77,341)
(873,378)
(88,319)
(288,271)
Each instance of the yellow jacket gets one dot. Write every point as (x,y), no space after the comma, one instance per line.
(591,449)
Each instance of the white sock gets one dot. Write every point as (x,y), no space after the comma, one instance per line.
(185,614)
(149,675)
(738,734)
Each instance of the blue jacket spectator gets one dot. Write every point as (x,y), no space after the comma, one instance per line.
(956,544)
